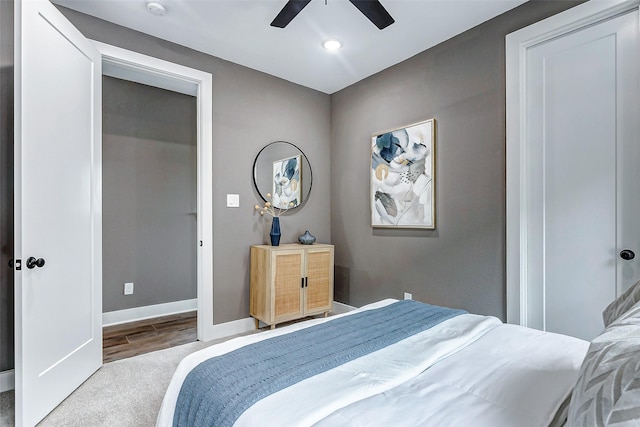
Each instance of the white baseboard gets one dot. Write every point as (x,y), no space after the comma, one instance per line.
(148,311)
(339,308)
(7,380)
(248,324)
(228,329)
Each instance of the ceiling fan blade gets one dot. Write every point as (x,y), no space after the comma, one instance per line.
(288,12)
(376,13)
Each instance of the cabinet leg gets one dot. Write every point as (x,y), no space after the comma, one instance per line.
(257,323)
(273,326)
(326,313)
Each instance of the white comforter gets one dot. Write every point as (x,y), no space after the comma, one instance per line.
(480,372)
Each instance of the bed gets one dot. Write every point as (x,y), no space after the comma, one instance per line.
(459,370)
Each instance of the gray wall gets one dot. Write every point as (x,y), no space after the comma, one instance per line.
(148,194)
(6,184)
(250,109)
(460,83)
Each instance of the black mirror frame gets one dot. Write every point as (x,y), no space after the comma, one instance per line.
(255,161)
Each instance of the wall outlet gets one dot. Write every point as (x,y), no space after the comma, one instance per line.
(128,288)
(407,295)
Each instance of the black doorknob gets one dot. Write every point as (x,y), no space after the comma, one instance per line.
(627,254)
(32,262)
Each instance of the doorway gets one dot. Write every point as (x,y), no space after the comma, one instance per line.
(149,197)
(134,67)
(572,188)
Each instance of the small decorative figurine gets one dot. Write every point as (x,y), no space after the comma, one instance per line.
(306,238)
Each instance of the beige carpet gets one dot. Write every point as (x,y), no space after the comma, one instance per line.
(126,392)
(6,408)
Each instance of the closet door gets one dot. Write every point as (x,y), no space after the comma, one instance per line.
(579,180)
(57,209)
(584,125)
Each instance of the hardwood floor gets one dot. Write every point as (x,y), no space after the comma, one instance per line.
(135,338)
(131,339)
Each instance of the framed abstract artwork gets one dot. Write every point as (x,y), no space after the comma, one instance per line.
(286,182)
(403,177)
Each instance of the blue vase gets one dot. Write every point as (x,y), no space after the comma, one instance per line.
(307,238)
(275,231)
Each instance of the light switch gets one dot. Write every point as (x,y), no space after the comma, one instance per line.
(233,200)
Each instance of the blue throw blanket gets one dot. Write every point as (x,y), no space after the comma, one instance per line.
(220,389)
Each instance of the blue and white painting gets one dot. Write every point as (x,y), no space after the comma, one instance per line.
(402,177)
(286,183)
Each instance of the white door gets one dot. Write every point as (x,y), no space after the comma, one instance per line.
(57,210)
(581,185)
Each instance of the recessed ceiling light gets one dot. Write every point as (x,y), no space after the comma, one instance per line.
(332,45)
(156,8)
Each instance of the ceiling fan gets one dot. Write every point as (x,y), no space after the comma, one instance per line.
(372,9)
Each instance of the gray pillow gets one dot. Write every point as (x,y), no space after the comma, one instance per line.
(608,389)
(621,304)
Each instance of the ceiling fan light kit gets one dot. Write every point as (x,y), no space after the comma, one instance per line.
(372,9)
(332,45)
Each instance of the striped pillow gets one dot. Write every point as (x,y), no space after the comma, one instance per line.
(608,389)
(621,304)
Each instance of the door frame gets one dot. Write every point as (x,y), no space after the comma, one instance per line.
(156,72)
(517,44)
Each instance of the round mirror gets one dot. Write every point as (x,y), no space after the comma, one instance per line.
(282,170)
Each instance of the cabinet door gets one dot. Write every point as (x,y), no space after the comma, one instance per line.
(288,268)
(319,291)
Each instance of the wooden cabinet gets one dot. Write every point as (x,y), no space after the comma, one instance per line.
(290,281)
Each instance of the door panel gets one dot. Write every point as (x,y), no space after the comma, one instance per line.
(581,112)
(58,127)
(628,153)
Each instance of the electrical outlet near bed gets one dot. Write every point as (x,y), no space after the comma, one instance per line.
(407,295)
(128,288)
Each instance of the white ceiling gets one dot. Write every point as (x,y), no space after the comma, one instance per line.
(239,31)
